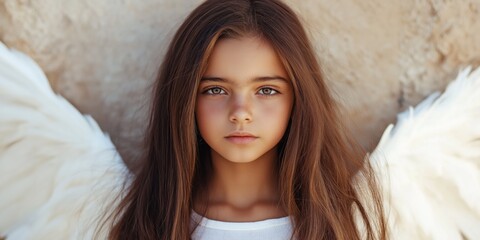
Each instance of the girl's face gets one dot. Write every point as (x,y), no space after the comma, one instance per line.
(244,100)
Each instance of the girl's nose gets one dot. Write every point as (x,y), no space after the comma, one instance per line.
(241,110)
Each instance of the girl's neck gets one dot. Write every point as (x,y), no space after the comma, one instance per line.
(244,191)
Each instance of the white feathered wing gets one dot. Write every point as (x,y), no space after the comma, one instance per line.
(58,170)
(429,165)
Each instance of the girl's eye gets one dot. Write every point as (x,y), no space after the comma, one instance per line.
(215,91)
(267,91)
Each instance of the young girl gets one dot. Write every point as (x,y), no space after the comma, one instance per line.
(244,140)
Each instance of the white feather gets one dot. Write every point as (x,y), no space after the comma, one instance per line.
(58,171)
(429,165)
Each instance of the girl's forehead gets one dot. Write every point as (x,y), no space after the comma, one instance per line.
(244,58)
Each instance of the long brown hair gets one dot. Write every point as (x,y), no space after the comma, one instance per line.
(319,163)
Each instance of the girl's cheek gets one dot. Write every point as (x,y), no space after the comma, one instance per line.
(210,108)
(280,108)
(269,110)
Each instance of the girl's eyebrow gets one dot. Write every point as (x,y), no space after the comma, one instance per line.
(257,79)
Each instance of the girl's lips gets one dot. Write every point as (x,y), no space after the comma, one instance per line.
(241,139)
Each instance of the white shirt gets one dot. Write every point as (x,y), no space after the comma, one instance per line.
(208,229)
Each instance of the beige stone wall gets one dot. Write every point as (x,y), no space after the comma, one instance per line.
(378,56)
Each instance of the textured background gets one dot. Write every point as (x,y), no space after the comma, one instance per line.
(378,56)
